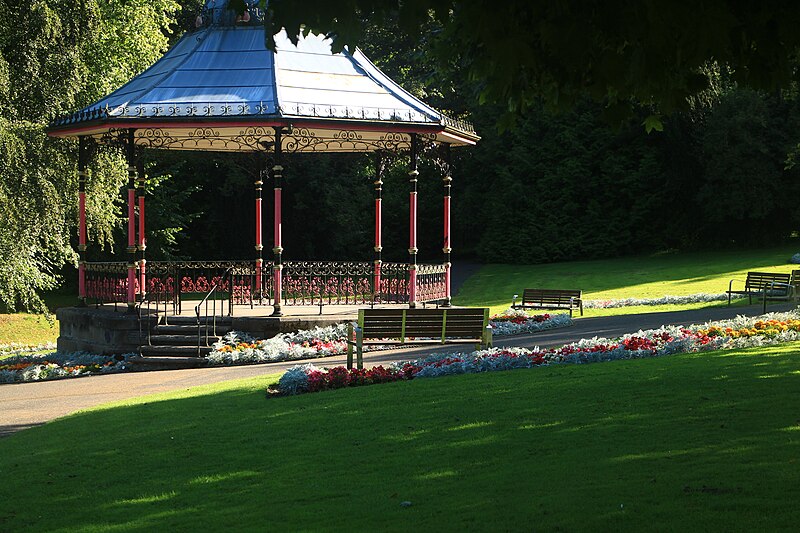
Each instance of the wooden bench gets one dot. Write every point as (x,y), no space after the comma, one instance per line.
(767,285)
(549,299)
(417,326)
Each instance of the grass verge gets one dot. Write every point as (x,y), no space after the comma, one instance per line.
(25,328)
(692,442)
(638,277)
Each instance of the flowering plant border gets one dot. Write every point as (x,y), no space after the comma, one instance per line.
(28,365)
(740,332)
(240,348)
(663,300)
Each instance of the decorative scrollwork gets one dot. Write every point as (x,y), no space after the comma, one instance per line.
(255,137)
(394,142)
(302,139)
(154,138)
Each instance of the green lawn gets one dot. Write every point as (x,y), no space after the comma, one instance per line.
(639,277)
(25,328)
(698,442)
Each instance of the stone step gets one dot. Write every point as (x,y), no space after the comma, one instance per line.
(192,320)
(160,350)
(189,330)
(160,339)
(166,363)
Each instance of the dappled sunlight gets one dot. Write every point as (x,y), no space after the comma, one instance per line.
(546,425)
(472,425)
(664,454)
(406,437)
(216,478)
(164,496)
(346,459)
(436,475)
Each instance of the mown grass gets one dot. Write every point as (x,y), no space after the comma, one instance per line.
(637,277)
(684,443)
(27,328)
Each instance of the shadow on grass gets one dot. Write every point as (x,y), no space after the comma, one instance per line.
(708,440)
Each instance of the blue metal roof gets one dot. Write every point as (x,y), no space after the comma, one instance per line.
(223,70)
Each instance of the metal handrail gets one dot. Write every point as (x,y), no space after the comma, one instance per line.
(213,290)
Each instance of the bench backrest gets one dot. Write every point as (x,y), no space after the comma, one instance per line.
(758,281)
(549,296)
(455,323)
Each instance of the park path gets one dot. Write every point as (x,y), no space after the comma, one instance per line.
(25,405)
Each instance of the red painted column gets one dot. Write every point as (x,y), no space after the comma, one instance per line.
(82,161)
(131,156)
(376,282)
(277,174)
(412,225)
(259,228)
(142,240)
(446,248)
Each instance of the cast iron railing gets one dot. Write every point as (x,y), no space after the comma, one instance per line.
(169,283)
(107,282)
(431,283)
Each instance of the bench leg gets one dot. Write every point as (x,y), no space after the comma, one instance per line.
(359,350)
(349,346)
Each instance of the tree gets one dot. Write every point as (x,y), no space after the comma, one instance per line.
(620,53)
(56,56)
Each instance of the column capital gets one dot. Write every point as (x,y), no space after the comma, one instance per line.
(259,247)
(378,248)
(81,247)
(413,251)
(447,250)
(277,250)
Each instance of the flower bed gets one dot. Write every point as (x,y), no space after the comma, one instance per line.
(741,332)
(240,348)
(29,366)
(664,300)
(516,321)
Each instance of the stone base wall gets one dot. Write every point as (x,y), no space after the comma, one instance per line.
(102,331)
(266,327)
(98,331)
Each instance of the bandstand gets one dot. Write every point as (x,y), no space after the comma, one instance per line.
(220,89)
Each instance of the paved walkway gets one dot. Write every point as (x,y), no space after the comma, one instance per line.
(26,405)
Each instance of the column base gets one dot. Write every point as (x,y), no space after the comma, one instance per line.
(412,305)
(277,311)
(131,308)
(446,303)
(81,302)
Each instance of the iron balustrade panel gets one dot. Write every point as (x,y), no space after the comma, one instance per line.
(327,283)
(160,282)
(198,277)
(394,288)
(174,280)
(107,282)
(431,283)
